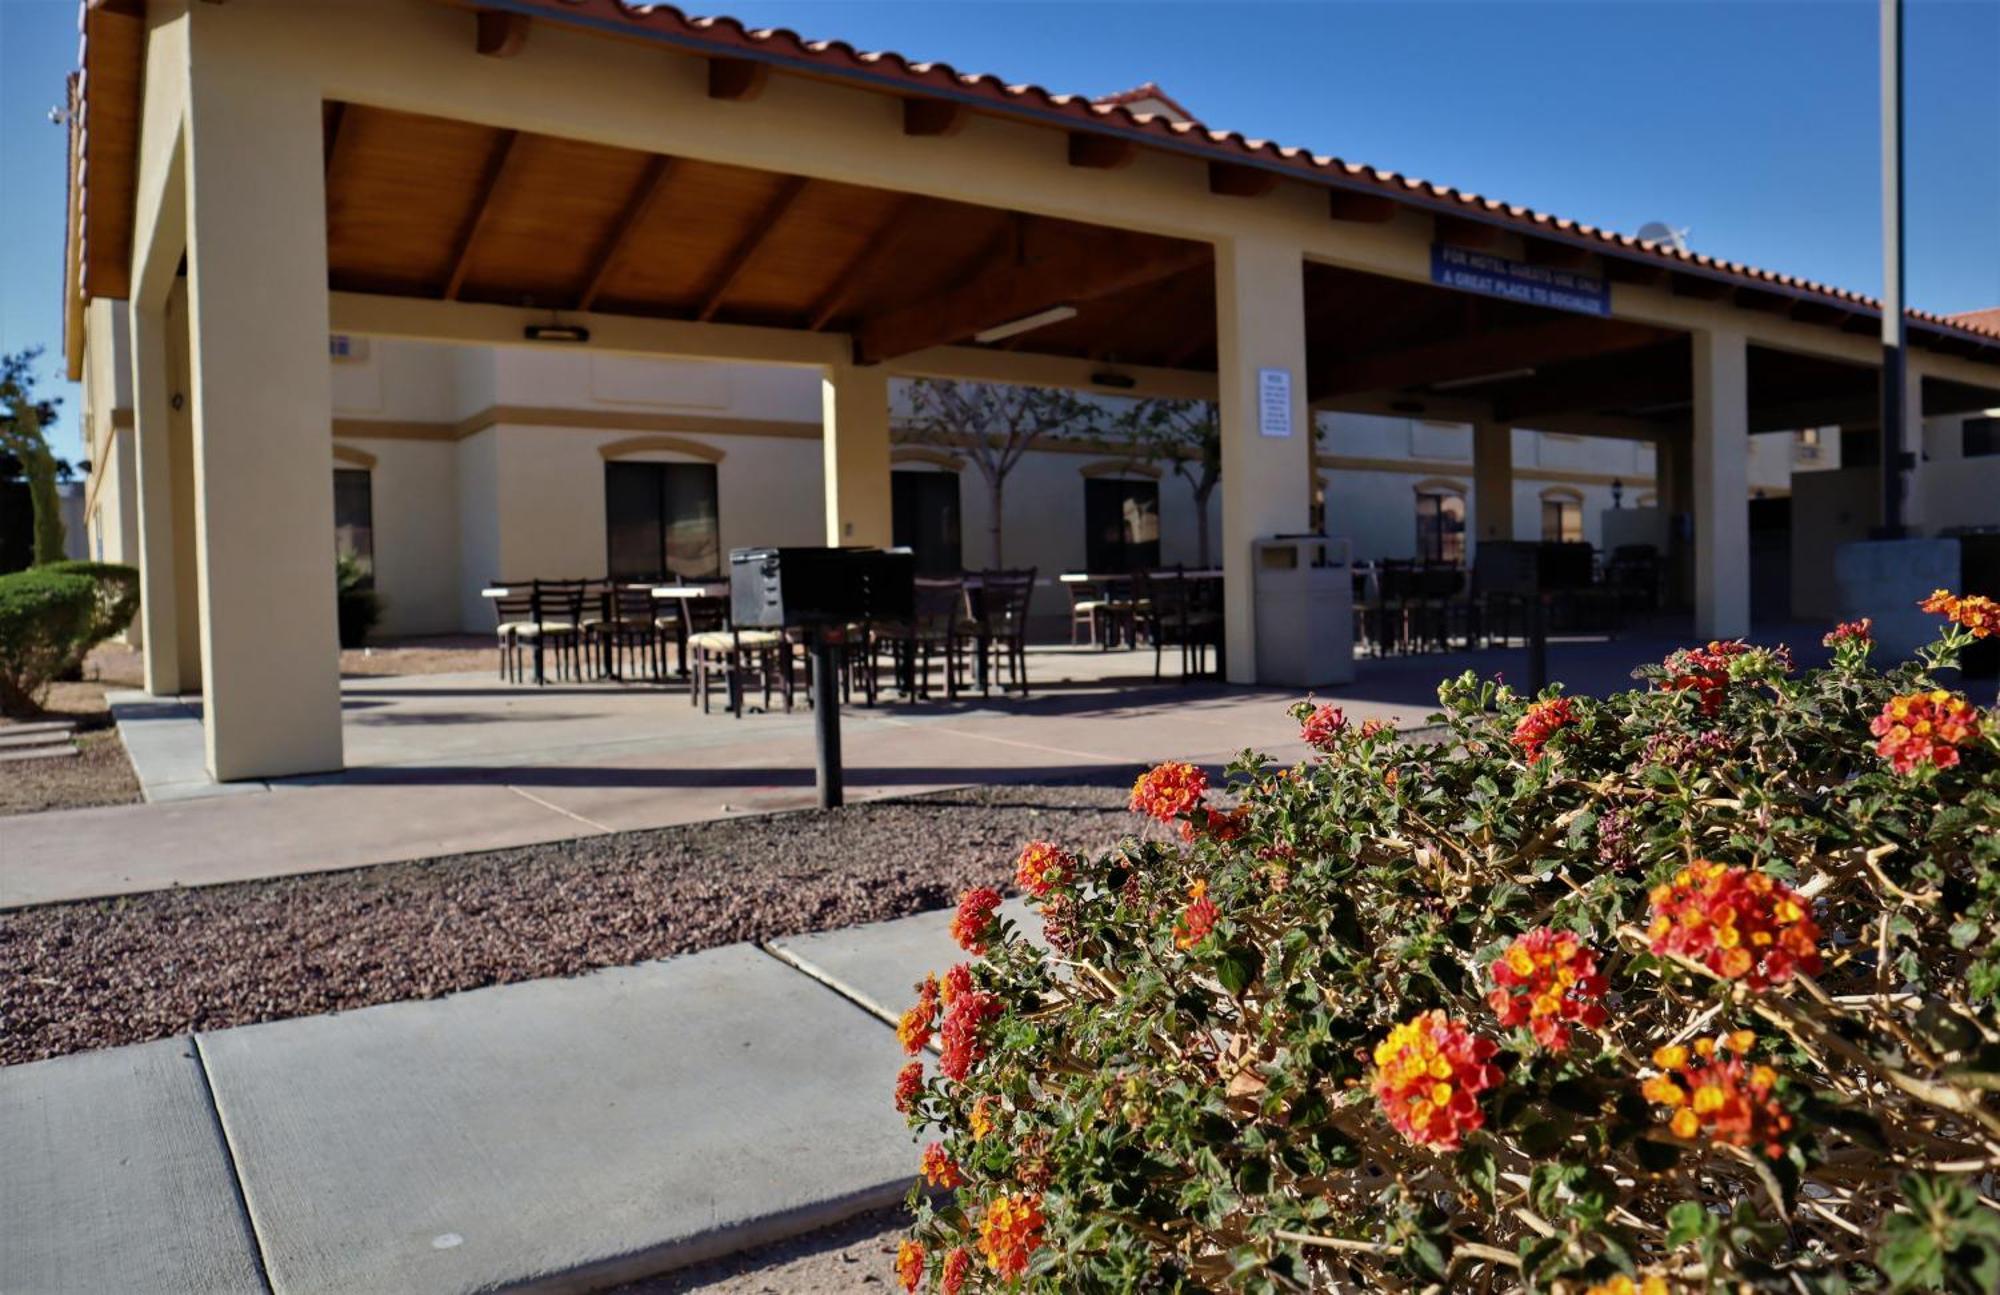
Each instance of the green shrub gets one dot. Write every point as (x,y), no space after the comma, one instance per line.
(116,603)
(1692,988)
(359,607)
(44,617)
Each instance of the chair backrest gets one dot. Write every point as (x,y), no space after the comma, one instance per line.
(701,615)
(1003,600)
(632,602)
(516,605)
(1082,591)
(559,600)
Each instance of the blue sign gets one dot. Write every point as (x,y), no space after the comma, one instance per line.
(1536,285)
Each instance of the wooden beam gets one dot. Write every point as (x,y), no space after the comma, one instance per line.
(753,239)
(738,79)
(1699,287)
(1559,256)
(1643,274)
(501,34)
(932,117)
(1645,380)
(645,197)
(1055,267)
(482,211)
(1100,152)
(338,138)
(1759,300)
(1233,180)
(887,238)
(1816,312)
(1363,208)
(1460,232)
(1479,353)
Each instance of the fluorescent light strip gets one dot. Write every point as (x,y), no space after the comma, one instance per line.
(1026,324)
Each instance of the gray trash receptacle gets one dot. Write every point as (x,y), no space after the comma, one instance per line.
(1304,591)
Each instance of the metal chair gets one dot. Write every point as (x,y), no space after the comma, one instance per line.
(933,627)
(998,620)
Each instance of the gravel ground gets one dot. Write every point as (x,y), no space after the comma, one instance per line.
(99,774)
(118,971)
(858,1255)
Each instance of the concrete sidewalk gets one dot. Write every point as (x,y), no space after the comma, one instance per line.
(550,1135)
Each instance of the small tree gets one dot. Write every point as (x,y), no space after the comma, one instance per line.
(22,418)
(1187,435)
(994,426)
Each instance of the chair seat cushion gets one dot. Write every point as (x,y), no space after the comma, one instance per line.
(556,627)
(1090,604)
(726,641)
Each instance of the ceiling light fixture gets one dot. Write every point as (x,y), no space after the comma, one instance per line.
(1505,375)
(1025,324)
(556,333)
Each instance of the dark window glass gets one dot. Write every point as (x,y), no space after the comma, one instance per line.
(924,508)
(661,519)
(354,518)
(1121,524)
(1562,521)
(1860,447)
(1441,528)
(1982,437)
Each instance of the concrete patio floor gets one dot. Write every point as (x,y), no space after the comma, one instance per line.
(441,764)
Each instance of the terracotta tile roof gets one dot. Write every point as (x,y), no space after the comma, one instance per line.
(1140,94)
(1985,321)
(886,69)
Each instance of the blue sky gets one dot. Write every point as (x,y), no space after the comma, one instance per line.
(1754,124)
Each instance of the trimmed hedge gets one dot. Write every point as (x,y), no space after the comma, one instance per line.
(117,599)
(44,615)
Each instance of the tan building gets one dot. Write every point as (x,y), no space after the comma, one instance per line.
(548,206)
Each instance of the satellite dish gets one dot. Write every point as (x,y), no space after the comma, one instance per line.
(1658,231)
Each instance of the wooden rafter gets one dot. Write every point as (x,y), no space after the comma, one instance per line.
(746,248)
(1559,256)
(1100,152)
(1055,266)
(1496,351)
(482,210)
(338,137)
(1365,208)
(736,78)
(932,117)
(501,34)
(645,197)
(1460,232)
(881,246)
(1233,180)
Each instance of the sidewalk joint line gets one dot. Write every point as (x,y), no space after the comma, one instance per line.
(1008,741)
(587,822)
(875,1010)
(235,1170)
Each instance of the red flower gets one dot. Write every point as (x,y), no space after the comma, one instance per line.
(1010,1231)
(909,1086)
(1858,632)
(1975,612)
(1429,1074)
(1546,980)
(1042,867)
(909,1266)
(1705,670)
(972,925)
(1216,825)
(966,1010)
(1542,722)
(1922,728)
(1321,729)
(1059,914)
(956,1268)
(1739,923)
(1197,919)
(1169,790)
(940,1170)
(1724,1096)
(914,1030)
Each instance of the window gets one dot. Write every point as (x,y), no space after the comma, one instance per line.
(1982,437)
(354,519)
(1121,524)
(1562,520)
(925,519)
(1441,527)
(661,519)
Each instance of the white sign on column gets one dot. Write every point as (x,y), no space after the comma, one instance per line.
(1274,402)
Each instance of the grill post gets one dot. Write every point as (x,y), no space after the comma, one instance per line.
(826,720)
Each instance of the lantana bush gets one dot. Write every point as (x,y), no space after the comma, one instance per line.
(1691,988)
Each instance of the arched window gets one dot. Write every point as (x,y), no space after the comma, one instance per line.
(1441,522)
(1562,515)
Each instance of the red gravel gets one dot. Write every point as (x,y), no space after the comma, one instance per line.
(100,974)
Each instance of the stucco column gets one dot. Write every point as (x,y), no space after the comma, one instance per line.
(1721,481)
(152,445)
(1493,481)
(263,445)
(854,405)
(1267,480)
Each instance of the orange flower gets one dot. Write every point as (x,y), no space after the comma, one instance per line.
(1975,612)
(1739,923)
(914,1030)
(980,1120)
(909,1086)
(940,1170)
(1710,1091)
(1543,721)
(1429,1074)
(1169,790)
(1215,824)
(1922,728)
(956,1266)
(966,1011)
(1620,1284)
(1042,867)
(1546,980)
(972,925)
(1010,1231)
(909,1265)
(1321,729)
(1197,919)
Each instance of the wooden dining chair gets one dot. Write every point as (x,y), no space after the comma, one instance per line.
(514,626)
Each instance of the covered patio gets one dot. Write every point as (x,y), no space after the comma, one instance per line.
(557,173)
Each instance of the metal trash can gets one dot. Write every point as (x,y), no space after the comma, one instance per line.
(1303,586)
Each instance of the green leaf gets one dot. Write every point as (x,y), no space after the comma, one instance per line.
(1238,968)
